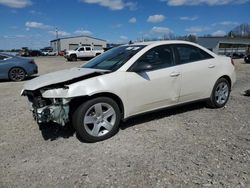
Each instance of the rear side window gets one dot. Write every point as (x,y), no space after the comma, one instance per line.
(88,49)
(188,54)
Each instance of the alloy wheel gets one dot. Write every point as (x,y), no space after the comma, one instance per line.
(99,119)
(17,74)
(221,93)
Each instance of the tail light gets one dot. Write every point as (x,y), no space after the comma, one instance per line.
(232,61)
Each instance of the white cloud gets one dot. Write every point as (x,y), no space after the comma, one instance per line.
(225,23)
(156,18)
(60,33)
(37,25)
(187,18)
(35,12)
(132,20)
(219,33)
(208,2)
(16,3)
(13,36)
(131,5)
(123,37)
(196,29)
(83,32)
(162,30)
(113,4)
(228,23)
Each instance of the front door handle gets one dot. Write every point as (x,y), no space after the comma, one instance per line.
(211,66)
(174,74)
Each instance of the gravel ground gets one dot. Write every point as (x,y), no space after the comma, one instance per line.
(189,146)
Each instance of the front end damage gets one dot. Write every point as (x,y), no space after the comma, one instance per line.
(48,109)
(49,95)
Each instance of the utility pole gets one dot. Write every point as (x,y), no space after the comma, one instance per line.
(57,41)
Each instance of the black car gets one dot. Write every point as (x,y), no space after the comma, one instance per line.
(247,59)
(34,53)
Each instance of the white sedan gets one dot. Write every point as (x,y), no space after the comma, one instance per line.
(130,80)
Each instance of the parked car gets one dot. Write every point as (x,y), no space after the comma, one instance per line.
(52,53)
(61,53)
(247,59)
(46,50)
(34,53)
(82,52)
(24,52)
(130,80)
(49,53)
(237,55)
(16,68)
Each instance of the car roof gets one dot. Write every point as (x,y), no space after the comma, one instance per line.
(163,42)
(151,44)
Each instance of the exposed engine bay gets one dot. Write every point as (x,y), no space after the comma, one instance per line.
(46,109)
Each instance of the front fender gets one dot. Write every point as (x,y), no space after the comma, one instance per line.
(89,87)
(113,83)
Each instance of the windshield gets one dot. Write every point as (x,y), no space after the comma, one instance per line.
(113,59)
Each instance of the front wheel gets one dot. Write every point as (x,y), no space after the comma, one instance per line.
(73,57)
(220,94)
(97,119)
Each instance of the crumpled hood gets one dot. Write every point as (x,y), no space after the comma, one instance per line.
(59,77)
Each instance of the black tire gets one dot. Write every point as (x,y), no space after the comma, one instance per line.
(17,74)
(73,57)
(219,98)
(85,131)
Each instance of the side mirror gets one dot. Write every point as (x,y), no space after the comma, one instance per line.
(142,66)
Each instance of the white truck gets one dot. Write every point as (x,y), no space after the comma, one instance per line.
(82,52)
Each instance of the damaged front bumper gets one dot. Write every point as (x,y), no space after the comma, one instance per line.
(48,109)
(57,112)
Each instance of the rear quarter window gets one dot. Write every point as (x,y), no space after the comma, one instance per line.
(189,53)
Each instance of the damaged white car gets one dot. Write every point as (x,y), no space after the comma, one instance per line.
(129,80)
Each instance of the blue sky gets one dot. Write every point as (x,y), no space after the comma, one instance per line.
(33,23)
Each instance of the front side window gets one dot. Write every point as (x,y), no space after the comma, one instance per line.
(81,49)
(158,57)
(113,59)
(188,53)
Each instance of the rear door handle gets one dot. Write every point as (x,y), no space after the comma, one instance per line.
(174,74)
(211,66)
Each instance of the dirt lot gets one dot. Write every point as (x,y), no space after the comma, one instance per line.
(189,146)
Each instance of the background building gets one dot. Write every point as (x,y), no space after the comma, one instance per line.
(70,43)
(225,45)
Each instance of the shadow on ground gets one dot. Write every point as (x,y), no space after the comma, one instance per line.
(159,114)
(53,131)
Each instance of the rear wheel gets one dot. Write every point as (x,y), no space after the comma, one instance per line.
(220,94)
(17,74)
(97,119)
